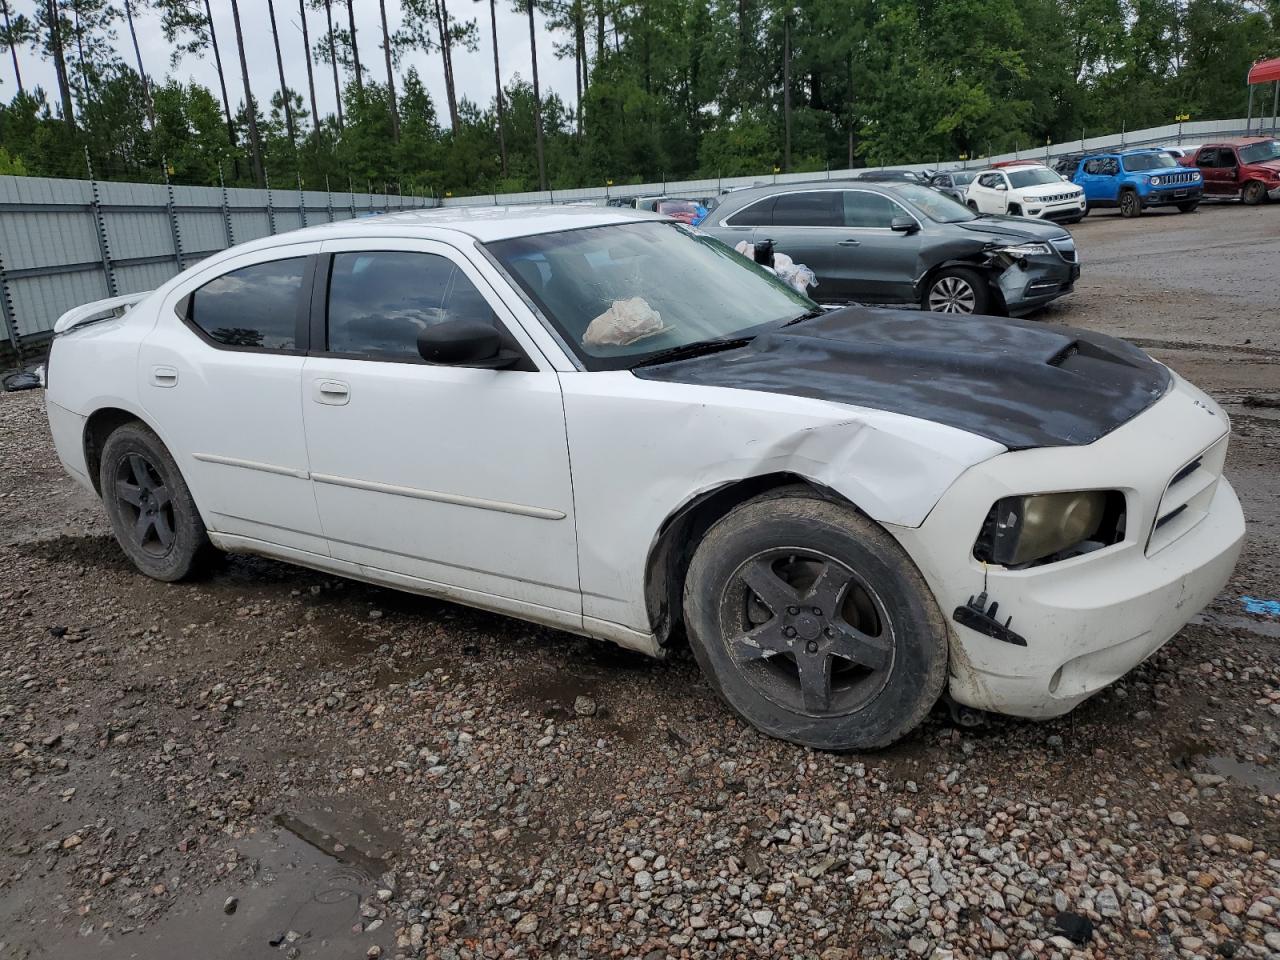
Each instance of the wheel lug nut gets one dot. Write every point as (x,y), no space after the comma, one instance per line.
(817,611)
(793,610)
(812,646)
(789,631)
(830,631)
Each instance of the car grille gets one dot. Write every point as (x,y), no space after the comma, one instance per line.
(1066,248)
(1187,497)
(1058,197)
(1187,177)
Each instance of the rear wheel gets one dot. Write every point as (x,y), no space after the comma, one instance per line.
(956,290)
(812,624)
(1254,193)
(152,514)
(1189,206)
(1130,204)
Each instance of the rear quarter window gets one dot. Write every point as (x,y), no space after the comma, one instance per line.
(255,307)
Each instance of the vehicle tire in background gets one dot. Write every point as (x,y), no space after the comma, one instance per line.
(152,514)
(1014,210)
(1130,204)
(1254,193)
(1189,206)
(973,206)
(956,290)
(813,625)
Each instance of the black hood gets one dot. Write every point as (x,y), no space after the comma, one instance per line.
(1016,228)
(1018,383)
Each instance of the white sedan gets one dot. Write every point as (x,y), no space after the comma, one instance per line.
(606,422)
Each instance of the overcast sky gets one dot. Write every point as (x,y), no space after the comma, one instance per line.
(473,72)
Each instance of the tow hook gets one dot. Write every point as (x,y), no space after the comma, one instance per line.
(963,716)
(976,615)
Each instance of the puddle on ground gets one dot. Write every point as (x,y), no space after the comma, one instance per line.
(1196,756)
(1227,621)
(308,880)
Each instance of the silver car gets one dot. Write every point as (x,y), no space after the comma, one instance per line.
(904,243)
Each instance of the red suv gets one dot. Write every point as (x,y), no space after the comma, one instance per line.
(1248,168)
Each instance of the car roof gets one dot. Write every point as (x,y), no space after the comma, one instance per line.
(483,224)
(1238,141)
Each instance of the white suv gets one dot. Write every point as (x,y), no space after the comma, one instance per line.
(1027,190)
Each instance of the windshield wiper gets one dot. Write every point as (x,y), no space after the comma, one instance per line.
(695,349)
(810,315)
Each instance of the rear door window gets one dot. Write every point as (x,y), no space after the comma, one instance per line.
(815,208)
(254,308)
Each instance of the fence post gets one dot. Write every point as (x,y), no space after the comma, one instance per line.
(302,203)
(7,313)
(328,198)
(104,248)
(226,209)
(173,217)
(271,212)
(351,196)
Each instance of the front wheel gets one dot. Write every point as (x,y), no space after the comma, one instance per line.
(811,623)
(152,514)
(1130,204)
(1254,193)
(1014,210)
(956,290)
(1189,206)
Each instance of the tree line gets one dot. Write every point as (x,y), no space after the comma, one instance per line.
(663,88)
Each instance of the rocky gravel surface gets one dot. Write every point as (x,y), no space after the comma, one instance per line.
(268,762)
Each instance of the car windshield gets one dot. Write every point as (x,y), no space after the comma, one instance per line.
(1260,152)
(1032,177)
(621,294)
(1148,161)
(934,205)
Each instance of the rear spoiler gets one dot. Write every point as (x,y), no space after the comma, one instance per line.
(98,310)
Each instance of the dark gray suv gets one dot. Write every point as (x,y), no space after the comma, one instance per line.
(904,243)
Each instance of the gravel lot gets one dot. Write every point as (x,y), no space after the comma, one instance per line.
(273,763)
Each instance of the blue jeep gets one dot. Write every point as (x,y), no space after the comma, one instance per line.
(1136,179)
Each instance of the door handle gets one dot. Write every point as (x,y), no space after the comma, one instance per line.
(164,376)
(331,391)
(849,243)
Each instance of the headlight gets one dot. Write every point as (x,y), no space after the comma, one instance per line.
(1036,528)
(1018,251)
(1155,181)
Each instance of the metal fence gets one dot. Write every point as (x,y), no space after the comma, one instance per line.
(67,242)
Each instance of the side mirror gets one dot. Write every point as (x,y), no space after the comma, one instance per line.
(1065,177)
(1001,186)
(464,343)
(903,225)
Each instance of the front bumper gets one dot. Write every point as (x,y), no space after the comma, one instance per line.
(1274,192)
(1033,282)
(1172,195)
(1089,620)
(1064,210)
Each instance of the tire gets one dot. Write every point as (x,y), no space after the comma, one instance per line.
(1130,204)
(1254,193)
(1014,210)
(154,519)
(973,206)
(1189,206)
(773,660)
(956,290)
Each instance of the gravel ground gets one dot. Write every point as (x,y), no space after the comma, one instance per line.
(269,762)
